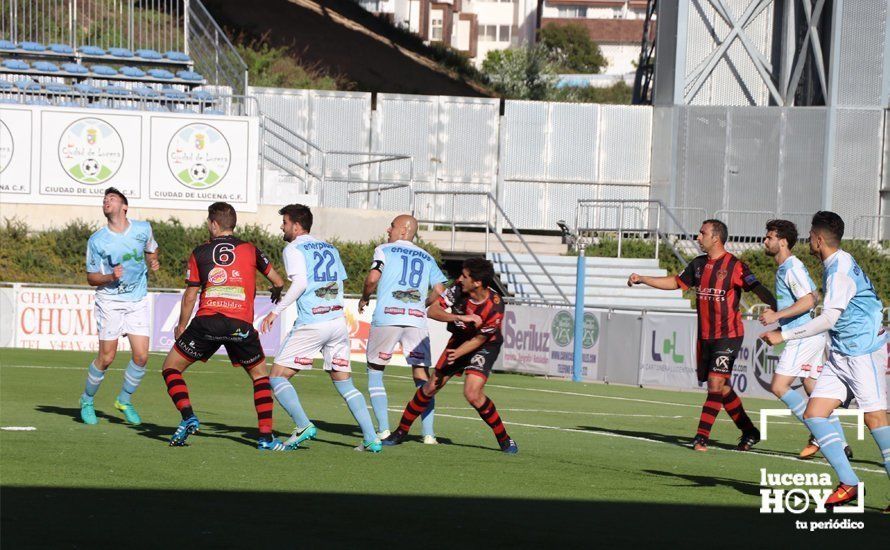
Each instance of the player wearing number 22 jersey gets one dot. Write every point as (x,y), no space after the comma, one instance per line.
(316,275)
(403,274)
(224,271)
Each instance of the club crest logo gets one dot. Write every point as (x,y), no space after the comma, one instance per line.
(199,156)
(90,151)
(721,274)
(7,146)
(562,329)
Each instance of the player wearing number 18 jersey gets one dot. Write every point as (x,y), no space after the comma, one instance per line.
(316,274)
(403,274)
(224,271)
(475,326)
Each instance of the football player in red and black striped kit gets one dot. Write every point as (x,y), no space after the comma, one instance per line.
(719,279)
(475,326)
(223,270)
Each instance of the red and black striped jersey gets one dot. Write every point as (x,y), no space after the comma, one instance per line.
(719,284)
(491,310)
(225,269)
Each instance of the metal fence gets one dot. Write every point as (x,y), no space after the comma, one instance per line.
(161,25)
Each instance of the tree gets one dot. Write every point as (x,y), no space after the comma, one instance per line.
(571,48)
(521,73)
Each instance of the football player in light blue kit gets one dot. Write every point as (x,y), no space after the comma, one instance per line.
(118,258)
(316,274)
(857,356)
(403,274)
(796,296)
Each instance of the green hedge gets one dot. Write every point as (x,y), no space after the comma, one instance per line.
(58,255)
(875,263)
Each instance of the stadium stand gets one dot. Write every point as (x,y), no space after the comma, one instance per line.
(605,281)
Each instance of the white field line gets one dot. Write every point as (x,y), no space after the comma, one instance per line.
(19,428)
(647,440)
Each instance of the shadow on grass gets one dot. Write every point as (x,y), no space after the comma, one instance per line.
(743,487)
(85,518)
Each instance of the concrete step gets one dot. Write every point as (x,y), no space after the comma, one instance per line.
(466,242)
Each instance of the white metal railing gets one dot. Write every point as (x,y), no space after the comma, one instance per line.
(493,215)
(596,217)
(874,228)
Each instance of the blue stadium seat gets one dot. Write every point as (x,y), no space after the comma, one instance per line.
(27,85)
(68,104)
(202,95)
(7,45)
(9,100)
(61,48)
(16,64)
(57,88)
(115,90)
(213,112)
(184,110)
(6,85)
(46,67)
(132,72)
(120,52)
(173,55)
(175,95)
(160,74)
(149,54)
(103,70)
(32,46)
(99,105)
(74,68)
(37,101)
(145,91)
(155,107)
(189,75)
(91,50)
(85,88)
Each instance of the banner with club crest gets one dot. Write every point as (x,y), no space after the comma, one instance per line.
(70,156)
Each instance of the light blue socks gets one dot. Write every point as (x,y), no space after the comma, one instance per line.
(287,397)
(358,407)
(379,401)
(132,377)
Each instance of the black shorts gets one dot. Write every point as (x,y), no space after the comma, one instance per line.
(717,357)
(478,362)
(207,333)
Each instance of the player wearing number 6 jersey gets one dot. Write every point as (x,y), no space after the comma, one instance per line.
(316,274)
(851,314)
(402,273)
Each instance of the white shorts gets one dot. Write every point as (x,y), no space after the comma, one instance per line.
(415,345)
(862,375)
(303,342)
(118,318)
(803,358)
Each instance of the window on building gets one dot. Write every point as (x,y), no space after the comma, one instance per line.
(488,33)
(504,33)
(436,28)
(571,12)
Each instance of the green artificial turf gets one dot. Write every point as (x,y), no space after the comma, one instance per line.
(598,464)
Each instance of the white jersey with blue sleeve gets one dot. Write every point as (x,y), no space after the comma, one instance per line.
(407,274)
(848,288)
(319,264)
(793,282)
(107,249)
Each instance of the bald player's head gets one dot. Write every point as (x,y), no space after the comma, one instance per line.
(402,228)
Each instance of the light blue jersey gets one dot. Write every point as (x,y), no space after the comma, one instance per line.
(319,264)
(849,289)
(793,282)
(106,249)
(408,272)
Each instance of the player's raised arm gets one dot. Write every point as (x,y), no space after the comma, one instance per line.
(662,283)
(437,311)
(433,297)
(803,304)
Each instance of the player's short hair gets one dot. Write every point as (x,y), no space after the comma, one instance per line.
(784,230)
(115,191)
(719,228)
(829,223)
(480,270)
(298,213)
(224,214)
